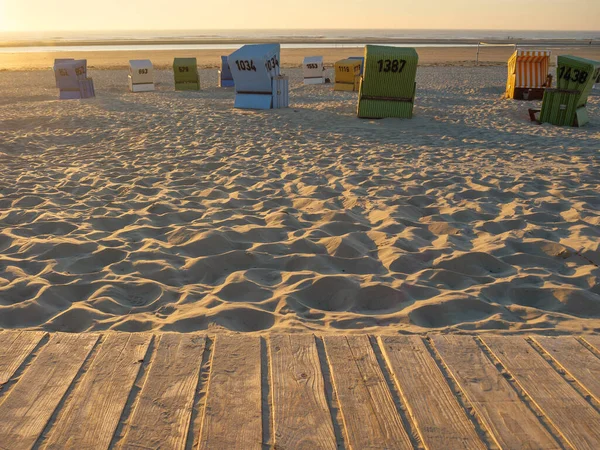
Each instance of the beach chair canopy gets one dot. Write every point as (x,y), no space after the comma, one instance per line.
(530,67)
(362,62)
(225,76)
(347,75)
(312,67)
(72,81)
(225,69)
(186,74)
(58,61)
(68,73)
(257,76)
(254,66)
(527,69)
(141,71)
(388,84)
(566,105)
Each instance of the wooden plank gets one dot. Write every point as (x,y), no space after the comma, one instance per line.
(233,412)
(576,360)
(509,421)
(441,421)
(15,347)
(162,415)
(575,418)
(594,341)
(30,404)
(91,417)
(371,419)
(301,417)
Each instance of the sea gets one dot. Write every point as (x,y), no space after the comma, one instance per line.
(137,40)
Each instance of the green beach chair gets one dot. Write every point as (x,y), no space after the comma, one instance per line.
(565,106)
(388,86)
(186,74)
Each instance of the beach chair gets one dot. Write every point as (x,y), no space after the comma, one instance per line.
(362,62)
(312,68)
(59,61)
(528,74)
(387,87)
(72,80)
(257,75)
(141,75)
(186,74)
(347,75)
(225,77)
(566,105)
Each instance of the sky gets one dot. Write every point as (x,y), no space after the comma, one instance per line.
(82,15)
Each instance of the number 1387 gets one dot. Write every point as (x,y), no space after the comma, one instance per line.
(391,65)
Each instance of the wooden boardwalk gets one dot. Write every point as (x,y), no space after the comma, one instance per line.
(298,391)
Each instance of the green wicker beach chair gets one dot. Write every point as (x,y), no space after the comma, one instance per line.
(575,79)
(186,74)
(387,87)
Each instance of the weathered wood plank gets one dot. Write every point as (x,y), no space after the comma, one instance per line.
(233,412)
(510,422)
(441,421)
(575,359)
(30,404)
(370,416)
(594,341)
(93,412)
(575,418)
(15,347)
(301,416)
(162,415)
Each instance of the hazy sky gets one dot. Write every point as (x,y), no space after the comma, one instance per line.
(56,15)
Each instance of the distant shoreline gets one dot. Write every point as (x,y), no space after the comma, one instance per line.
(299,40)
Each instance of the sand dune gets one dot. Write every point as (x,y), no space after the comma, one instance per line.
(173,211)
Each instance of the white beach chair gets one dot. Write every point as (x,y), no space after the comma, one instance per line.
(59,61)
(312,68)
(258,80)
(141,75)
(72,80)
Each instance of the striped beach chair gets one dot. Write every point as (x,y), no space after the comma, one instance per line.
(566,105)
(387,88)
(528,74)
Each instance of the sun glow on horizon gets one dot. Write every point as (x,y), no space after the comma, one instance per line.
(36,16)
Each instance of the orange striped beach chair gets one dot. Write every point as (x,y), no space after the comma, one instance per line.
(528,74)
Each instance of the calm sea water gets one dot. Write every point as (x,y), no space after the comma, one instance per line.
(251,35)
(299,33)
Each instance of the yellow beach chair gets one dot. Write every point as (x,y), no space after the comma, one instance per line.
(347,75)
(528,74)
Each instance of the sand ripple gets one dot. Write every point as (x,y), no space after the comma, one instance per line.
(172,211)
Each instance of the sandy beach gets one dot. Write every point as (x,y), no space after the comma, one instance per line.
(172,211)
(290,57)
